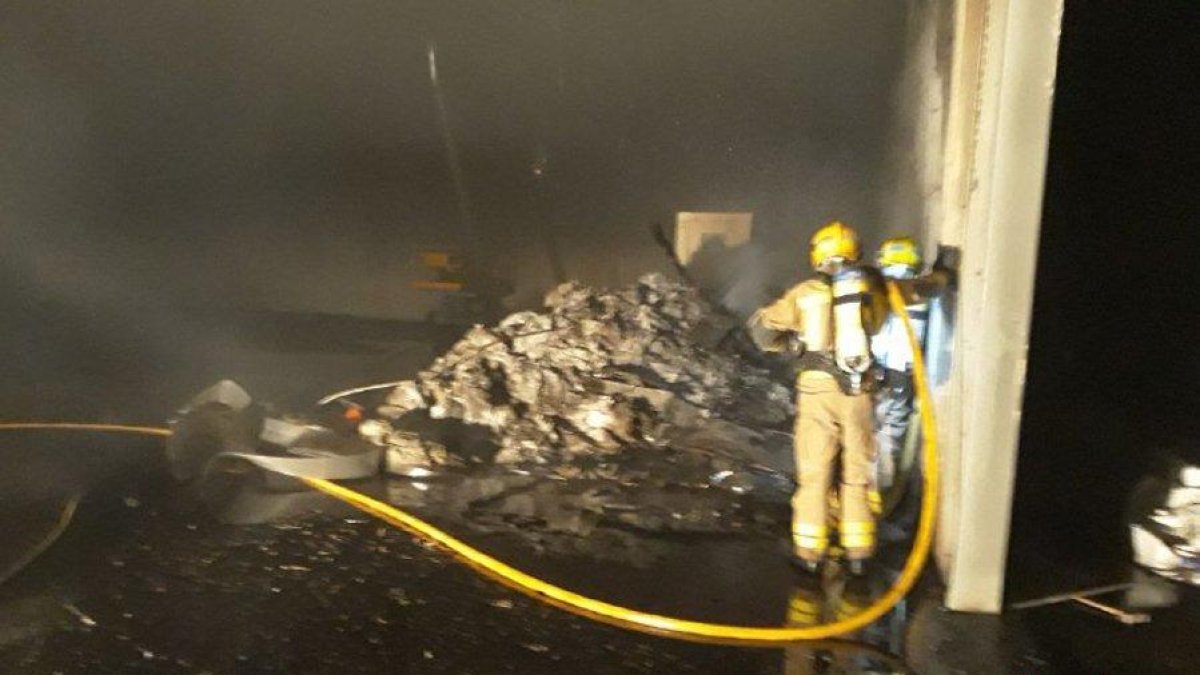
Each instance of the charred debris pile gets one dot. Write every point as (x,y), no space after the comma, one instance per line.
(596,384)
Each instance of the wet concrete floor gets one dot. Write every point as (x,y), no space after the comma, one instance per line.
(146,579)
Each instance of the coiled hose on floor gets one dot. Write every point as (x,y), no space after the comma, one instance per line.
(632,618)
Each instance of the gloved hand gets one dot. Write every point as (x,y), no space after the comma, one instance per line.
(948,257)
(945,266)
(768,339)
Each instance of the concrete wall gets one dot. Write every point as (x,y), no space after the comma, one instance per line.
(1001,88)
(969,150)
(913,196)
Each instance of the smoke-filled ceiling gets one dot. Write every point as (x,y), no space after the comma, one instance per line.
(297,155)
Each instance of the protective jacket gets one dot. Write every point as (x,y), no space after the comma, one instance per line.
(825,320)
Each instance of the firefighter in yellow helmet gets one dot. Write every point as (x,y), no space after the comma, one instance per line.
(827,319)
(898,259)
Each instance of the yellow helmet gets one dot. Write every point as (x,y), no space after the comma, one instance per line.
(899,251)
(834,240)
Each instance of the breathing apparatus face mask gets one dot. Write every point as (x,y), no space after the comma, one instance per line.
(898,272)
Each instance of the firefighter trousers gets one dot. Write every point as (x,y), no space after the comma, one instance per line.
(832,426)
(893,410)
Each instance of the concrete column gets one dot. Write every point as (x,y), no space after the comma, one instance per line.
(997,129)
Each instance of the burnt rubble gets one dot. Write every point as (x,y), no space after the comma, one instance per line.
(596,376)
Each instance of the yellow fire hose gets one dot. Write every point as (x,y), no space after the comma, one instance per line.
(631,618)
(85,426)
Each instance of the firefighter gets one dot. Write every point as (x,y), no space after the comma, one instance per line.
(899,259)
(826,319)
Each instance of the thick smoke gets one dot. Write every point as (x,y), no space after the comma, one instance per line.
(290,155)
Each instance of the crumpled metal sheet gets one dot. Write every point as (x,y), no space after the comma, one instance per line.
(222,427)
(314,452)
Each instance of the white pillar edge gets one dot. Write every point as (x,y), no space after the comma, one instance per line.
(995,175)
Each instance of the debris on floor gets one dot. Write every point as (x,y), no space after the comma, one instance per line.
(631,410)
(223,429)
(602,519)
(1125,617)
(598,374)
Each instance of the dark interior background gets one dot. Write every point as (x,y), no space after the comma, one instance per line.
(297,155)
(1114,364)
(292,156)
